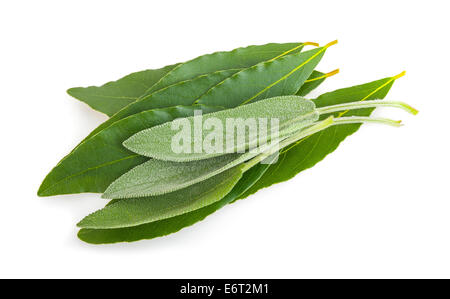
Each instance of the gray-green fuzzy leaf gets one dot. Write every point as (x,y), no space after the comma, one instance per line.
(166,226)
(138,211)
(156,177)
(157,142)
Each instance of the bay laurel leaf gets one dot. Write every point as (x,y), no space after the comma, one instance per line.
(157,142)
(137,211)
(238,58)
(314,80)
(316,147)
(98,161)
(282,76)
(180,94)
(113,96)
(186,93)
(181,91)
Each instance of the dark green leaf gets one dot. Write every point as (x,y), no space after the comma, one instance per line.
(239,58)
(183,93)
(313,149)
(98,161)
(314,80)
(283,76)
(113,96)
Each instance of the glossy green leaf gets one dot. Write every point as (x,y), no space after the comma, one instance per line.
(314,81)
(157,142)
(238,58)
(170,225)
(60,177)
(144,231)
(113,96)
(283,76)
(138,211)
(313,149)
(183,93)
(98,161)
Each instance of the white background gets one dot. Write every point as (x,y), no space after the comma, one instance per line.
(377,207)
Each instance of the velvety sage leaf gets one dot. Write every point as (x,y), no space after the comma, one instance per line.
(157,142)
(313,149)
(113,96)
(138,211)
(224,60)
(170,225)
(283,76)
(156,177)
(98,161)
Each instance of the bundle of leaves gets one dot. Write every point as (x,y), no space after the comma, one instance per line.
(155,191)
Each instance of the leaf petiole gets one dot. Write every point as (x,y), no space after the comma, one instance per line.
(314,128)
(324,76)
(369,104)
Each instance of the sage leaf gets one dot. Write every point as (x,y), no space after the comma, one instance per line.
(157,142)
(283,76)
(246,166)
(167,226)
(113,96)
(137,211)
(157,177)
(315,148)
(98,161)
